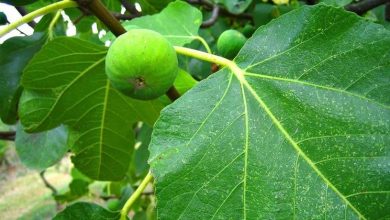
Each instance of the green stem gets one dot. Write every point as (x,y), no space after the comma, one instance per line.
(109,188)
(204,56)
(126,208)
(201,39)
(42,11)
(212,59)
(52,24)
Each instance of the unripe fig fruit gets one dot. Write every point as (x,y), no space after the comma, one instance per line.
(248,30)
(113,204)
(230,42)
(142,64)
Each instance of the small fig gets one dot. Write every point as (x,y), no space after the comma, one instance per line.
(230,42)
(248,30)
(113,204)
(142,64)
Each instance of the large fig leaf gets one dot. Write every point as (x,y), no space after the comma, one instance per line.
(179,22)
(299,129)
(66,83)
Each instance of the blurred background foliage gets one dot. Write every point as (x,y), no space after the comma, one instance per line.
(37,185)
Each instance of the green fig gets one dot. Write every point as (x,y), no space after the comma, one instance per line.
(142,64)
(113,204)
(248,30)
(230,42)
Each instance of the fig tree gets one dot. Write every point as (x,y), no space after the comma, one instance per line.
(230,42)
(141,64)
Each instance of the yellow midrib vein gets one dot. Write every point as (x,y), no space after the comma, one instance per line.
(245,149)
(240,74)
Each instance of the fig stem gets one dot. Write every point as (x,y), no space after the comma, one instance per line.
(22,11)
(137,193)
(201,39)
(204,56)
(212,59)
(52,24)
(42,11)
(104,15)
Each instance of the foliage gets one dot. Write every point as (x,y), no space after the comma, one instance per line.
(295,126)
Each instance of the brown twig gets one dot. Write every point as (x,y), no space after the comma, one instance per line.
(47,184)
(97,8)
(363,6)
(120,16)
(7,135)
(117,15)
(213,18)
(130,8)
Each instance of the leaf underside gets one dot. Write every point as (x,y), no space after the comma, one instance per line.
(66,83)
(301,131)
